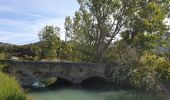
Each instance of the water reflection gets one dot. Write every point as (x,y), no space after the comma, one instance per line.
(88,90)
(79,93)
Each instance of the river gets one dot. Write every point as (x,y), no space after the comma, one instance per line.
(79,93)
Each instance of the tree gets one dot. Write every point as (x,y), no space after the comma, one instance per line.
(68,27)
(49,37)
(98,22)
(147,27)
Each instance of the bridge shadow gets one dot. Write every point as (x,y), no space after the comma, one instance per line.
(91,83)
(60,83)
(95,83)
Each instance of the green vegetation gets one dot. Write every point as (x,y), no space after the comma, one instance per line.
(49,81)
(97,23)
(2,56)
(139,57)
(154,72)
(125,60)
(3,66)
(9,89)
(50,41)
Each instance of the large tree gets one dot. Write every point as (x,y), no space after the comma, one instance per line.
(50,41)
(97,23)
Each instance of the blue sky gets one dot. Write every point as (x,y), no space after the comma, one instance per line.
(21,20)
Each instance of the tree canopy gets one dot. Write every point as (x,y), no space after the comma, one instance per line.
(98,22)
(50,41)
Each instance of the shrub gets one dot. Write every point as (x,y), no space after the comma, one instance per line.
(49,81)
(2,56)
(149,72)
(126,60)
(2,66)
(9,89)
(145,79)
(154,72)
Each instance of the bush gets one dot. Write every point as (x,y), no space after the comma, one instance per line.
(9,89)
(3,66)
(154,72)
(149,72)
(126,60)
(49,81)
(2,56)
(145,79)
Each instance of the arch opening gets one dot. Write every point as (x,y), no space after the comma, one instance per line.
(95,82)
(61,82)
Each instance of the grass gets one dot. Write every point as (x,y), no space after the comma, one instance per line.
(2,66)
(9,89)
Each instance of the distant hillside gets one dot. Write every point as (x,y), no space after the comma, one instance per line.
(33,44)
(5,44)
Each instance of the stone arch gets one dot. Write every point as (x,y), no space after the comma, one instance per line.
(90,75)
(57,75)
(94,81)
(60,78)
(61,82)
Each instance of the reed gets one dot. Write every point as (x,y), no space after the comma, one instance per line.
(10,89)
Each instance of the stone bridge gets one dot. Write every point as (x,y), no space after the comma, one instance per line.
(29,72)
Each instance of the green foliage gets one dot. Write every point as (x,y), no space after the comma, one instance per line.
(68,27)
(9,89)
(148,72)
(145,41)
(71,51)
(2,56)
(160,65)
(50,54)
(154,71)
(23,52)
(3,66)
(145,79)
(147,18)
(50,41)
(126,60)
(97,24)
(49,81)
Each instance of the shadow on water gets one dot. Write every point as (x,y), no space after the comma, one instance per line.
(93,88)
(91,84)
(96,83)
(59,84)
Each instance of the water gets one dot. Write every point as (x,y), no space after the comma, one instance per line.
(78,93)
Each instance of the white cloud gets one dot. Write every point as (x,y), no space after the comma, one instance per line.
(17,38)
(32,15)
(29,29)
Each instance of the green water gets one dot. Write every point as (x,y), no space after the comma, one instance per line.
(73,93)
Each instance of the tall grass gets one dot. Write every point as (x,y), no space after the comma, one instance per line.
(9,89)
(2,66)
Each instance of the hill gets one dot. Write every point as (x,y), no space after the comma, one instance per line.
(5,44)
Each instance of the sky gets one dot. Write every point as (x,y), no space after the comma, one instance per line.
(21,20)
